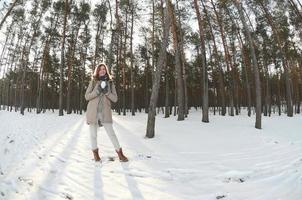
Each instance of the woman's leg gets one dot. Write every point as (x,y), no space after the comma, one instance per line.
(93,136)
(111,134)
(94,145)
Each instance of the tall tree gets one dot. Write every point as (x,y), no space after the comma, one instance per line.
(205,102)
(160,63)
(255,64)
(218,63)
(62,65)
(178,63)
(132,11)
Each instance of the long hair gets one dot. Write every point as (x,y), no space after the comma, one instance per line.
(97,70)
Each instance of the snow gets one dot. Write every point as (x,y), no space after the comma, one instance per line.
(48,157)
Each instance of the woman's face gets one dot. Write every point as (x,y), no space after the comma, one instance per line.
(102,71)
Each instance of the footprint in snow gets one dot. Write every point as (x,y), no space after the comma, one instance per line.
(235,179)
(26,180)
(220,196)
(143,157)
(66,196)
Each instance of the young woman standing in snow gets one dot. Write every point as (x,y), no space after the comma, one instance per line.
(100,92)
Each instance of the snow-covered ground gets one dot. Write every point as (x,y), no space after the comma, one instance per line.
(48,157)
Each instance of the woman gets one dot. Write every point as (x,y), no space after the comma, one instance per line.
(100,92)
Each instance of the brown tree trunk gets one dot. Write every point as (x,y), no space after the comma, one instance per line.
(124,63)
(160,63)
(167,106)
(205,102)
(178,64)
(62,65)
(132,60)
(183,60)
(255,65)
(70,68)
(220,70)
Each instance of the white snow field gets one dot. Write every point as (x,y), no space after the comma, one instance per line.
(48,157)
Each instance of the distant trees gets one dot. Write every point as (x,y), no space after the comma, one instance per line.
(223,64)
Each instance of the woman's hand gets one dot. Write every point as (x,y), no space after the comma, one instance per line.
(103,87)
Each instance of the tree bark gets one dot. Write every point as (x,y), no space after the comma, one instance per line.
(131,61)
(205,102)
(62,65)
(255,65)
(160,63)
(220,70)
(178,64)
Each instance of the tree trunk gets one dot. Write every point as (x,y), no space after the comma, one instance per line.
(70,68)
(146,86)
(181,44)
(220,76)
(124,64)
(167,95)
(205,102)
(178,64)
(112,42)
(132,60)
(255,65)
(246,62)
(62,65)
(160,63)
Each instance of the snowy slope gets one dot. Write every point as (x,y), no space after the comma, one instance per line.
(48,157)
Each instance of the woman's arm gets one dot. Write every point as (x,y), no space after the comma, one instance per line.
(111,94)
(90,92)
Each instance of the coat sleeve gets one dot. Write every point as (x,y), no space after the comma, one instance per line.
(91,93)
(112,93)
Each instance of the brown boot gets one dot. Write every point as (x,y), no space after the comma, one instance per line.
(96,155)
(121,156)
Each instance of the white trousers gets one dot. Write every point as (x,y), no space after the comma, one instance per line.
(110,132)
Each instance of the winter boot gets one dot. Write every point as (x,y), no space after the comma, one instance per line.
(96,155)
(121,156)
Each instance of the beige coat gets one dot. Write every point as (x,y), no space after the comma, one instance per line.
(95,99)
